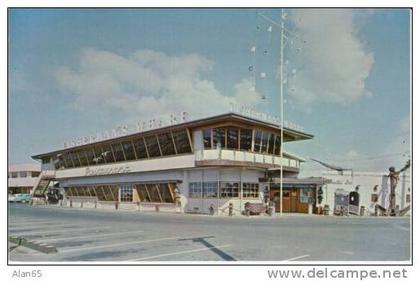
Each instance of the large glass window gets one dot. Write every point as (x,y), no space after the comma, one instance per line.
(140,148)
(128,150)
(107,154)
(154,192)
(257,141)
(277,145)
(219,138)
(90,190)
(99,158)
(152,146)
(264,142)
(210,189)
(194,190)
(165,192)
(250,190)
(207,138)
(68,160)
(14,174)
(82,157)
(182,141)
(246,139)
(166,144)
(229,189)
(107,192)
(22,174)
(271,143)
(126,193)
(75,159)
(118,152)
(35,174)
(232,138)
(143,192)
(90,156)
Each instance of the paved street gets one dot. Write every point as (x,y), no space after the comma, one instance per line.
(117,236)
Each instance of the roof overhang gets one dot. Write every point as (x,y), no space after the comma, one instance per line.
(289,134)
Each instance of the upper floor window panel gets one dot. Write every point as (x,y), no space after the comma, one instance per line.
(118,152)
(235,138)
(219,138)
(182,141)
(128,150)
(166,144)
(232,138)
(163,144)
(207,138)
(140,148)
(245,139)
(153,146)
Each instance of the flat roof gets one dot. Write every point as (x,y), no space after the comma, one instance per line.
(202,122)
(32,167)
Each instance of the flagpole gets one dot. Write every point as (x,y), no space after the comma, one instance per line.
(281,110)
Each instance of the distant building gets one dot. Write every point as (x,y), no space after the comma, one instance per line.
(373,188)
(193,166)
(23,178)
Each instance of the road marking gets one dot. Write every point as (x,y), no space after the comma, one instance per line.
(297,258)
(42,226)
(24,233)
(183,252)
(90,236)
(28,222)
(117,244)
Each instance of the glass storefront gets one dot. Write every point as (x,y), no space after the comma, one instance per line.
(235,138)
(225,189)
(163,144)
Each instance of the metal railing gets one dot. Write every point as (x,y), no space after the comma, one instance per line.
(244,156)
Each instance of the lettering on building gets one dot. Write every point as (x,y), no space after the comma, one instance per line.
(123,130)
(107,170)
(253,113)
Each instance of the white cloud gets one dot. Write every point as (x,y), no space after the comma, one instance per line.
(334,63)
(147,83)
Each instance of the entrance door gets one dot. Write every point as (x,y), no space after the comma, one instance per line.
(295,200)
(290,200)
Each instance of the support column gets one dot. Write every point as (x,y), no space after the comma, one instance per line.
(218,191)
(240,190)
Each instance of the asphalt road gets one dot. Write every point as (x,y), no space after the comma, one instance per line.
(118,236)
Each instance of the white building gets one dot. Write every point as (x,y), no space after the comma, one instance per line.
(22,178)
(370,185)
(213,161)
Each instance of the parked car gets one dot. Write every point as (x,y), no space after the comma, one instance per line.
(22,198)
(11,197)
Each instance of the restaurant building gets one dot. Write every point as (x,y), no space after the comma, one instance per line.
(186,167)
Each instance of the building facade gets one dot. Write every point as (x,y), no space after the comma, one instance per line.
(23,178)
(195,166)
(372,187)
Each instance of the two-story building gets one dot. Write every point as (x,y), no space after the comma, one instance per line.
(187,167)
(22,178)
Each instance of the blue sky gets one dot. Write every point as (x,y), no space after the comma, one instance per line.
(78,72)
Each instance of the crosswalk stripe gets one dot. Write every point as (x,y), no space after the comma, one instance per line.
(25,233)
(90,236)
(183,252)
